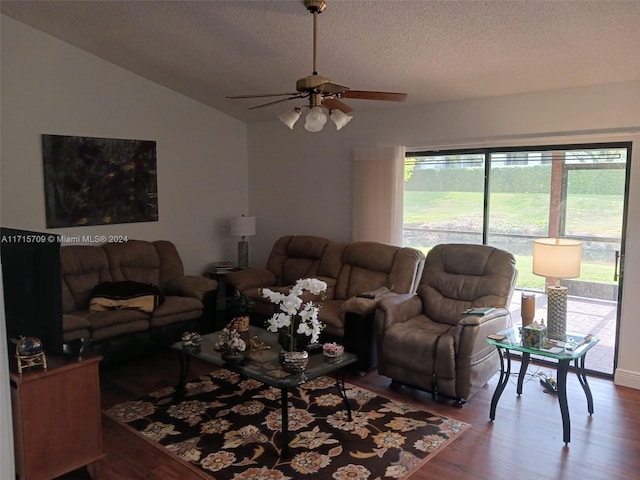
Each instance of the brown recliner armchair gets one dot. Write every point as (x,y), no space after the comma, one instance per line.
(292,257)
(426,340)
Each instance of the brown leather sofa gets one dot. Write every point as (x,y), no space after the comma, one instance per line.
(426,341)
(350,270)
(189,301)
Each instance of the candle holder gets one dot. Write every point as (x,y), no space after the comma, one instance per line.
(528,308)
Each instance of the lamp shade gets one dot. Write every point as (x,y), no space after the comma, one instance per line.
(290,117)
(243,226)
(315,119)
(340,118)
(557,257)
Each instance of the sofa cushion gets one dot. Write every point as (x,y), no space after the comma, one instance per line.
(108,318)
(366,266)
(365,305)
(83,267)
(190,286)
(135,260)
(74,322)
(296,256)
(459,276)
(119,329)
(125,295)
(74,326)
(431,343)
(170,262)
(175,309)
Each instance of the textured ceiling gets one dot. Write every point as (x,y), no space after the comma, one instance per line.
(433,50)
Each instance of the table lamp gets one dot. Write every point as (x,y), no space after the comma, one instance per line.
(557,258)
(243,227)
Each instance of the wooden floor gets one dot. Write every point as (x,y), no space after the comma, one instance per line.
(524,441)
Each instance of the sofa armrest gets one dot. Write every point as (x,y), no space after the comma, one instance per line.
(498,312)
(396,308)
(363,305)
(472,331)
(190,286)
(251,278)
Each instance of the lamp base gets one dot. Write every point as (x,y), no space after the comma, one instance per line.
(557,313)
(243,254)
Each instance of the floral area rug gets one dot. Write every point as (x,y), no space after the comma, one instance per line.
(229,427)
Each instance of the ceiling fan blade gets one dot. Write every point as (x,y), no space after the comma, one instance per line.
(368,95)
(275,101)
(262,95)
(329,88)
(335,104)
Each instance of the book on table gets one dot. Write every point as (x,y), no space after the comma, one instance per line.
(479,311)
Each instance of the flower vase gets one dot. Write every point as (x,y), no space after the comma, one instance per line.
(294,362)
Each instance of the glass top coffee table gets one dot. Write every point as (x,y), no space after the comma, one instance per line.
(263,365)
(574,349)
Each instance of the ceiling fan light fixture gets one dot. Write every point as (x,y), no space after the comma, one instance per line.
(340,118)
(315,119)
(320,91)
(290,117)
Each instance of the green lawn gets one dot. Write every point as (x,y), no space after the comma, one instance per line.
(592,272)
(597,215)
(589,215)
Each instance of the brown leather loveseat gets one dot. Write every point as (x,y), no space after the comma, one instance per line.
(350,270)
(188,301)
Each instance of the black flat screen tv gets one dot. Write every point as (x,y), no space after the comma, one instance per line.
(32,284)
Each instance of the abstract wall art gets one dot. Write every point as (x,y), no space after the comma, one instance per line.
(98,181)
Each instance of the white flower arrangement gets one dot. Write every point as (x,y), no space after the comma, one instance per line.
(230,341)
(294,315)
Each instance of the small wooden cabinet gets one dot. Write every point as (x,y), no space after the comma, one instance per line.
(57,420)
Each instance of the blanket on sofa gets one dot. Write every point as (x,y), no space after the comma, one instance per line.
(125,295)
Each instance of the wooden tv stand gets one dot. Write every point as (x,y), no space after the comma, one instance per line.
(57,423)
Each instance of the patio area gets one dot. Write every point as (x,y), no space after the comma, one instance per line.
(584,315)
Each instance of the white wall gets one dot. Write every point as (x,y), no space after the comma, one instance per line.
(48,86)
(7,469)
(300,182)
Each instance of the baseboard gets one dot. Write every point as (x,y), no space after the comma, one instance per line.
(627,378)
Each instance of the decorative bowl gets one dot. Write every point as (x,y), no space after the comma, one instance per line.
(332,350)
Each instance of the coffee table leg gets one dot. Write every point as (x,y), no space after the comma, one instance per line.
(582,378)
(343,394)
(185,362)
(284,396)
(563,367)
(502,382)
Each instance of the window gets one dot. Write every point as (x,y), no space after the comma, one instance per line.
(507,197)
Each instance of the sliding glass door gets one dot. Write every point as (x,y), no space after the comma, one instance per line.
(508,197)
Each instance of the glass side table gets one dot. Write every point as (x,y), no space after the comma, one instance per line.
(574,349)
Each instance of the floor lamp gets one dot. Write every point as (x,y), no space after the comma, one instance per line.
(557,258)
(243,227)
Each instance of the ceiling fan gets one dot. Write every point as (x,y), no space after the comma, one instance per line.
(321,93)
